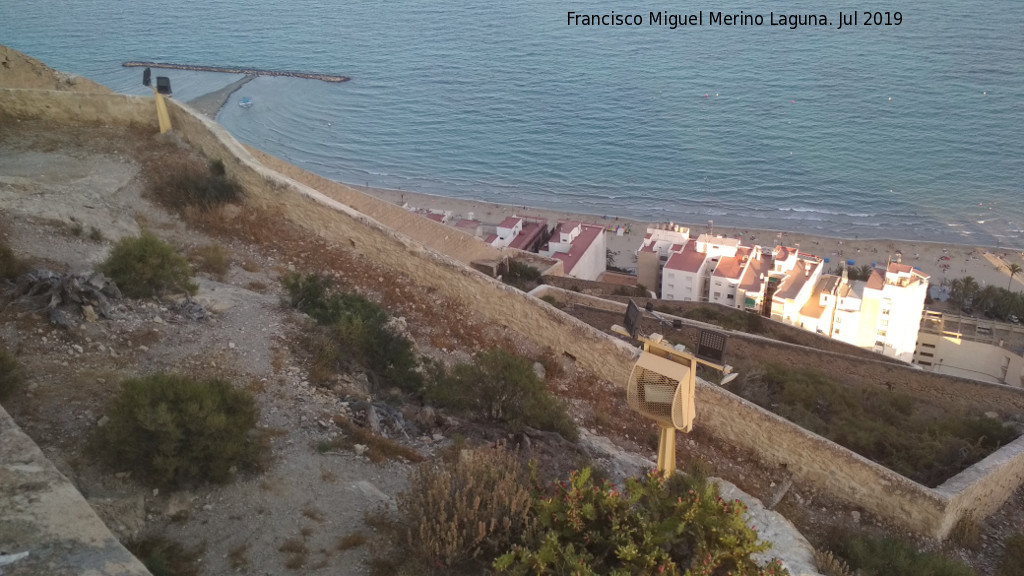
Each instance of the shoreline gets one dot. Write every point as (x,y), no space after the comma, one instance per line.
(940,260)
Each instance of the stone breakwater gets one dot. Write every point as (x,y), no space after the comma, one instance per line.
(230,70)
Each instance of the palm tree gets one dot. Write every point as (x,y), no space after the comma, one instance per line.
(1013,269)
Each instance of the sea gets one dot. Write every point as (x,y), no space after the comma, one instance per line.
(909,131)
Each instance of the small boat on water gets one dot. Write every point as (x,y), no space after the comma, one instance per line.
(245,102)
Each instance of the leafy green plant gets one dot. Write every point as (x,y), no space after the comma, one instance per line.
(457,516)
(171,430)
(146,266)
(521,275)
(355,330)
(887,556)
(502,387)
(11,375)
(649,527)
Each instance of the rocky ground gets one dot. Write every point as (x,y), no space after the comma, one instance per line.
(68,194)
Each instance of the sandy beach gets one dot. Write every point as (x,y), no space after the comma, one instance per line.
(941,261)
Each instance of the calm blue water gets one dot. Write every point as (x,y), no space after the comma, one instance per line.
(502,101)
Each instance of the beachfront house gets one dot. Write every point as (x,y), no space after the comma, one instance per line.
(582,248)
(659,243)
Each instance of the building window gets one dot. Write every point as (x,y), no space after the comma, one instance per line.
(885,322)
(718,295)
(922,363)
(839,319)
(926,354)
(926,345)
(882,333)
(730,297)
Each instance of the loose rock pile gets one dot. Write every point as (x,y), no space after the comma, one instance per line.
(55,293)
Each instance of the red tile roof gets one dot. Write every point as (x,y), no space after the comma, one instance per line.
(464,223)
(530,232)
(509,222)
(688,260)
(876,280)
(731,267)
(435,217)
(579,245)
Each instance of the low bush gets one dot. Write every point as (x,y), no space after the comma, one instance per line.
(172,430)
(10,265)
(521,275)
(11,375)
(163,557)
(212,259)
(145,266)
(926,443)
(353,330)
(888,556)
(180,181)
(457,516)
(651,526)
(1012,562)
(501,387)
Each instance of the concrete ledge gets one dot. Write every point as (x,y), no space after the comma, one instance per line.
(42,513)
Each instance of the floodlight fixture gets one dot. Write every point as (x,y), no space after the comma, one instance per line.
(146,74)
(163,85)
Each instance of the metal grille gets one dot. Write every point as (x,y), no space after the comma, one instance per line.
(660,389)
(712,346)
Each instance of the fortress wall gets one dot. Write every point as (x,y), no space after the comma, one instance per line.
(982,488)
(809,457)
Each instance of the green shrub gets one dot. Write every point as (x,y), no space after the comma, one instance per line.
(163,557)
(456,517)
(355,330)
(887,556)
(11,375)
(146,266)
(171,430)
(521,275)
(181,181)
(650,527)
(502,387)
(10,265)
(1012,562)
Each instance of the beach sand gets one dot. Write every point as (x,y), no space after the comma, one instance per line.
(986,265)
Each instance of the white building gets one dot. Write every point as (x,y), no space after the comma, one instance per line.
(581,248)
(659,243)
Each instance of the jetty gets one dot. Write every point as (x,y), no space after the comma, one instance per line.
(230,70)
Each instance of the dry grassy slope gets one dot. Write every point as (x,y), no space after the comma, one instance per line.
(20,71)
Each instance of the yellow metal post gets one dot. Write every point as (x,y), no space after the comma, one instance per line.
(667,451)
(163,118)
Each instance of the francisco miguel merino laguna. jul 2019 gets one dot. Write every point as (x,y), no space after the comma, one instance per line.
(791,21)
